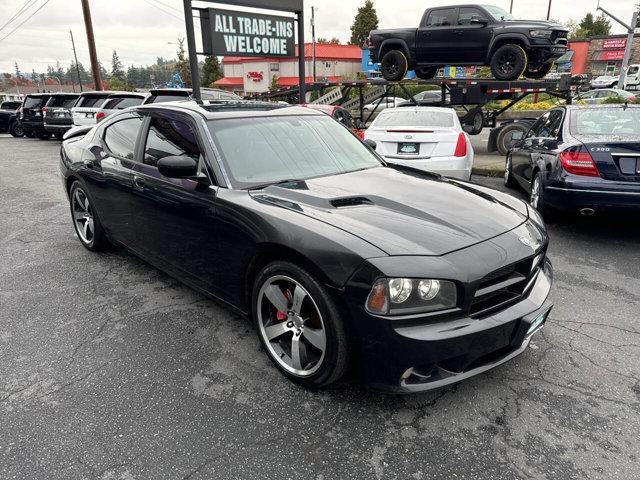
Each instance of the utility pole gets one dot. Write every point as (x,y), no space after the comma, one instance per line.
(549,10)
(95,67)
(313,39)
(627,51)
(73,44)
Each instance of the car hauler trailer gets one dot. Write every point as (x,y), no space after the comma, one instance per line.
(470,95)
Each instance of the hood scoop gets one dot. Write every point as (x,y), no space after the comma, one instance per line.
(344,202)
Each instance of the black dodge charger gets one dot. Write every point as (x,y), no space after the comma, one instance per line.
(340,261)
(579,159)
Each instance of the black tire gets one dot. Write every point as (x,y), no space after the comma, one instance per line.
(16,130)
(504,141)
(509,181)
(333,363)
(29,134)
(508,62)
(426,73)
(98,240)
(394,65)
(538,73)
(59,135)
(547,212)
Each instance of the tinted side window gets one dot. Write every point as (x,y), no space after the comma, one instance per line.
(537,126)
(122,103)
(168,137)
(466,13)
(120,137)
(441,18)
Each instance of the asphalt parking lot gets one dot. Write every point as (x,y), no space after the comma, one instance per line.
(111,370)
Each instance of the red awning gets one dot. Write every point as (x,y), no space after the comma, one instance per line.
(229,82)
(605,55)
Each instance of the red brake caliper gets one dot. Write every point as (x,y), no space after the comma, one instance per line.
(282,316)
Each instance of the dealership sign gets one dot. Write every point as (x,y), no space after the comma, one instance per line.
(248,34)
(614,43)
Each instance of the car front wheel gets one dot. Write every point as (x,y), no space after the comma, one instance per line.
(508,62)
(85,219)
(299,325)
(394,65)
(16,130)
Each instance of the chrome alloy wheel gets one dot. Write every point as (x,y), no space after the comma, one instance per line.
(291,325)
(535,192)
(82,216)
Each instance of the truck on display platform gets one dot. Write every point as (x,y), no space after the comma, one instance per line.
(469,35)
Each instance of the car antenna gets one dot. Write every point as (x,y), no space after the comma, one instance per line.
(626,104)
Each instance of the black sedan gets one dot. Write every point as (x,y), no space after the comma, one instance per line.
(340,261)
(579,159)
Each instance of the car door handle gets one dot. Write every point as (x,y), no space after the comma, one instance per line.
(138,182)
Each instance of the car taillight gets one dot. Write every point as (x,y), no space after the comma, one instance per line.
(99,116)
(579,163)
(44,111)
(461,146)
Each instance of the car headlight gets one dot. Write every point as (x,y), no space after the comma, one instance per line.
(540,33)
(402,296)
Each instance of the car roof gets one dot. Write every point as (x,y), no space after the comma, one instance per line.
(128,94)
(218,109)
(600,106)
(37,95)
(106,93)
(418,107)
(64,94)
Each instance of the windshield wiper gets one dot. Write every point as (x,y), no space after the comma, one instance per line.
(279,182)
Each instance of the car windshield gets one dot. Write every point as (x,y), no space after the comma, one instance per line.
(66,101)
(262,150)
(606,121)
(89,101)
(497,13)
(414,118)
(166,98)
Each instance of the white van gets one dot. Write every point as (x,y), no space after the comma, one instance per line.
(632,80)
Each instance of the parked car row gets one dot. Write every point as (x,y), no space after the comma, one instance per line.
(45,114)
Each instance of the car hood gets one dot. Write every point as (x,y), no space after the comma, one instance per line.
(534,24)
(402,211)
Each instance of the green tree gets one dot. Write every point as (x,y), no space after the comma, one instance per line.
(273,86)
(117,70)
(211,71)
(590,27)
(365,21)
(182,65)
(333,41)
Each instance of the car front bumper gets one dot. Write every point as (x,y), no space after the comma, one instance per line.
(427,352)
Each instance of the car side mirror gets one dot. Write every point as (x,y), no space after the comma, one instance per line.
(370,143)
(478,21)
(178,166)
(360,125)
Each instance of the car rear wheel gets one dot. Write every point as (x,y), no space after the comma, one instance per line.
(29,134)
(394,65)
(537,198)
(508,62)
(504,140)
(299,325)
(426,73)
(16,130)
(539,72)
(85,219)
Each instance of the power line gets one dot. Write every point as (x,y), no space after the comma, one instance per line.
(25,21)
(19,12)
(169,6)
(163,10)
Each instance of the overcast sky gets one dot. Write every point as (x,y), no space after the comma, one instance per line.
(141,29)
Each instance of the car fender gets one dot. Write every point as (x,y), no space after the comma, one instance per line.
(503,38)
(396,44)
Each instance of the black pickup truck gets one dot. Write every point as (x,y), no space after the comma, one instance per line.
(469,35)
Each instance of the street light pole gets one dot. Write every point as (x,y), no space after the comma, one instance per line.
(313,40)
(627,49)
(549,10)
(511,7)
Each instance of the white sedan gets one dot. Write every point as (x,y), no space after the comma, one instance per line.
(427,138)
(386,102)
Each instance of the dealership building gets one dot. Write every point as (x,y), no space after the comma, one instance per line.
(245,75)
(601,55)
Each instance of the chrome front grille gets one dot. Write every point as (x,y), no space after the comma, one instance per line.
(505,286)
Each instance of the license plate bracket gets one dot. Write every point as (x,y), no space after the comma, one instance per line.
(408,148)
